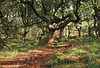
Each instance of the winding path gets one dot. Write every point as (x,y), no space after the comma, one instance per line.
(31,59)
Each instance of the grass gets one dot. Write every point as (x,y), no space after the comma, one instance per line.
(83,55)
(18,47)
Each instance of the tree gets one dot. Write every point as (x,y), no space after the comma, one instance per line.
(96,8)
(51,15)
(0,29)
(6,19)
(1,16)
(79,30)
(49,11)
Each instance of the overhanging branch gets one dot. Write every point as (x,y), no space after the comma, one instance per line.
(1,15)
(43,17)
(57,20)
(64,25)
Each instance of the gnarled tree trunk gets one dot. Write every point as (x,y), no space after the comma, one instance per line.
(61,34)
(48,39)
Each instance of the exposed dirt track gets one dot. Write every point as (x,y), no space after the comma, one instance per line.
(31,59)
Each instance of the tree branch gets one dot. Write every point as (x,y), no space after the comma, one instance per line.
(76,11)
(58,6)
(2,0)
(1,15)
(64,24)
(43,17)
(57,20)
(34,23)
(45,9)
(69,15)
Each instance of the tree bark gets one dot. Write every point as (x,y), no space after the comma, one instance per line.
(96,33)
(89,31)
(25,33)
(55,19)
(98,19)
(48,39)
(1,16)
(0,41)
(0,35)
(61,30)
(79,32)
(97,15)
(69,31)
(61,35)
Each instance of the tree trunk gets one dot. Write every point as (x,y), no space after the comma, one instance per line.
(48,39)
(97,14)
(96,33)
(65,32)
(0,35)
(89,31)
(79,31)
(25,33)
(98,19)
(0,41)
(61,30)
(61,35)
(68,33)
(7,37)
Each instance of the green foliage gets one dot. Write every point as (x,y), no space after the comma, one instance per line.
(23,14)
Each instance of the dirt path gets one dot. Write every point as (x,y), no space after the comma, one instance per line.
(31,59)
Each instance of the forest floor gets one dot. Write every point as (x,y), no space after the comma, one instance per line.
(32,59)
(75,53)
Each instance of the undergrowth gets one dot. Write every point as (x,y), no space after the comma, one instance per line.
(85,54)
(17,46)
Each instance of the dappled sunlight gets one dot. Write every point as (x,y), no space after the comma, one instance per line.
(49,34)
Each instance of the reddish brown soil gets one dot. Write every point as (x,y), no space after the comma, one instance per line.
(32,59)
